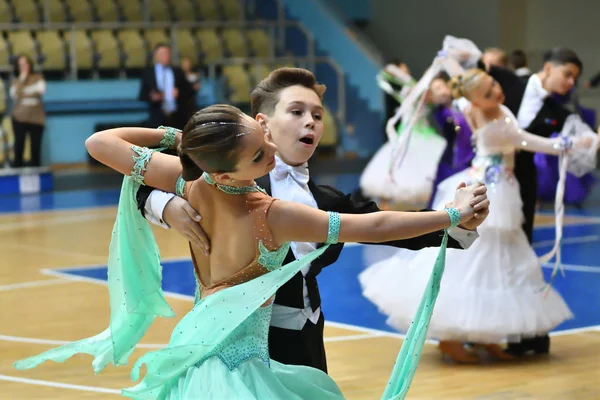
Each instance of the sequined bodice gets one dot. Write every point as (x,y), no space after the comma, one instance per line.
(492,140)
(491,169)
(495,152)
(250,339)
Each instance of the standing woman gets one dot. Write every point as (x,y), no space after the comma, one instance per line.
(28,115)
(190,74)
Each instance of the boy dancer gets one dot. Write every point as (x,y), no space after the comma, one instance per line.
(288,106)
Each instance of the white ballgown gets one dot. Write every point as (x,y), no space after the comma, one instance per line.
(493,291)
(410,178)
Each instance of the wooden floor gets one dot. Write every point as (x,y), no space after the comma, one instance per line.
(38,309)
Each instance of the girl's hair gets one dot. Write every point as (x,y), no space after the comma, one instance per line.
(463,84)
(211,141)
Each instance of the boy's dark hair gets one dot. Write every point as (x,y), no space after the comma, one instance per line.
(265,96)
(563,56)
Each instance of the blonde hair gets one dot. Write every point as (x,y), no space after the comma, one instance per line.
(463,84)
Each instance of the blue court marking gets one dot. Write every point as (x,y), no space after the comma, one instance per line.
(584,252)
(342,296)
(66,200)
(78,199)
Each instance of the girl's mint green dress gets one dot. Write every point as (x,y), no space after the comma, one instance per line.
(219,350)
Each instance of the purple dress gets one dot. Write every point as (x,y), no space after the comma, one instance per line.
(459,151)
(576,189)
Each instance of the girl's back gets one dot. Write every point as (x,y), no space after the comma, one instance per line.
(235,226)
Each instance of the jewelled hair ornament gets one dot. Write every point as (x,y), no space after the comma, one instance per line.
(215,123)
(212,123)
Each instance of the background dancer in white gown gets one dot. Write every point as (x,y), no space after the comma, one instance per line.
(409,179)
(491,293)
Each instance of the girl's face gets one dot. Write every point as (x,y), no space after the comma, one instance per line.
(488,94)
(186,64)
(439,92)
(24,67)
(256,157)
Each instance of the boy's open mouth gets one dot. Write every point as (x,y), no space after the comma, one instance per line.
(308,139)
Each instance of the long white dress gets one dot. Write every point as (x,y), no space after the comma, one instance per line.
(410,178)
(492,292)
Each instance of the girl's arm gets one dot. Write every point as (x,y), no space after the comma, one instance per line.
(38,88)
(295,222)
(127,149)
(537,144)
(393,74)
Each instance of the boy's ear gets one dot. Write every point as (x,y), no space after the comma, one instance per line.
(263,121)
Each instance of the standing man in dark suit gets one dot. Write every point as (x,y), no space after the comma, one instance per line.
(169,94)
(288,106)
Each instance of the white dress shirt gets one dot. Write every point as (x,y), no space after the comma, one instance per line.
(165,82)
(290,184)
(533,101)
(523,71)
(155,207)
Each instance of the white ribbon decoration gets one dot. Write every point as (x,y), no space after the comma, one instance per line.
(579,161)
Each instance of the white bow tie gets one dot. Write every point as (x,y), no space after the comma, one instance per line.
(299,173)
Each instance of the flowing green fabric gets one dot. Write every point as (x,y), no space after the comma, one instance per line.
(201,331)
(134,286)
(412,347)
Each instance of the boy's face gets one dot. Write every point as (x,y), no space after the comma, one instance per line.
(560,79)
(296,124)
